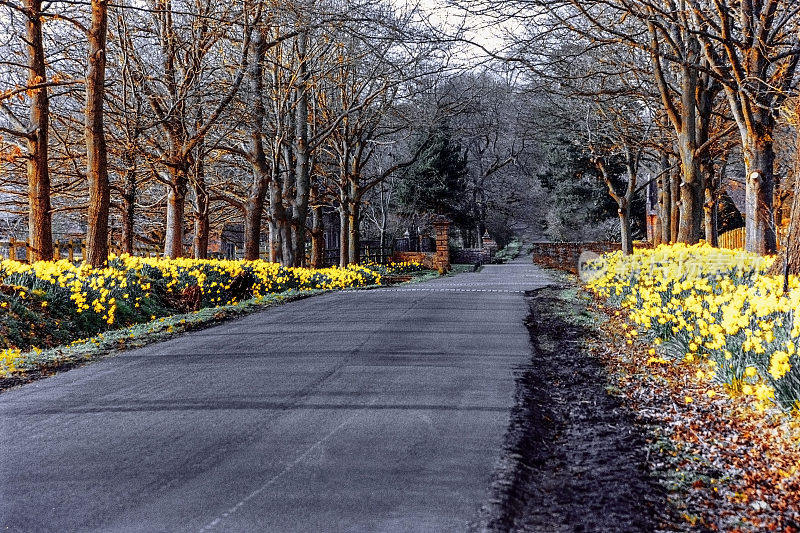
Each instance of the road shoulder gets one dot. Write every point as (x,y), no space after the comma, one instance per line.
(574,457)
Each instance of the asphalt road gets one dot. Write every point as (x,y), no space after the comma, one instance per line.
(379,410)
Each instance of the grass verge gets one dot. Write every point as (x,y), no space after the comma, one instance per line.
(35,363)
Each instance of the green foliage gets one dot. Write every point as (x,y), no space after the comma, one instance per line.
(511,251)
(436,183)
(25,322)
(50,303)
(578,200)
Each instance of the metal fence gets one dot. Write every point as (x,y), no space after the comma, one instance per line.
(415,244)
(369,251)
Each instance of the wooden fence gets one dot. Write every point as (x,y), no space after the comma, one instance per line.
(736,239)
(733,240)
(75,250)
(72,249)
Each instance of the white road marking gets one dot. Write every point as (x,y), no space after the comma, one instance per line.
(214,523)
(449,289)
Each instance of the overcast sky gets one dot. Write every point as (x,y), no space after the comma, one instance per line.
(486,31)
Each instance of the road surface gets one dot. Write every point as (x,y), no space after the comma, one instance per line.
(380,410)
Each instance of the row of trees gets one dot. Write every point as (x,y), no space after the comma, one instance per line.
(682,92)
(167,117)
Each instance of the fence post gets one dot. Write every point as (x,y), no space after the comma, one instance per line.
(12,249)
(56,251)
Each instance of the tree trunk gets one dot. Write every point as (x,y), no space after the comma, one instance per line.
(96,157)
(298,238)
(632,164)
(623,200)
(202,228)
(286,200)
(665,202)
(690,226)
(759,157)
(792,242)
(254,206)
(275,252)
(317,237)
(277,221)
(793,246)
(302,155)
(383,231)
(344,234)
(128,202)
(675,205)
(253,215)
(252,228)
(625,227)
(287,244)
(710,206)
(691,213)
(658,233)
(40,228)
(202,224)
(684,119)
(176,207)
(202,203)
(354,241)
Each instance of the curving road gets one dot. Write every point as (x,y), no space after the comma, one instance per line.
(380,410)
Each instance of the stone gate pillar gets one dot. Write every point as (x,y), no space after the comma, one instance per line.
(441,260)
(489,245)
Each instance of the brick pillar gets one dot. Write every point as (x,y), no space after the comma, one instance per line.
(441,260)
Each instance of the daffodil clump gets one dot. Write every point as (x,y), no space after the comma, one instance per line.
(395,268)
(9,359)
(132,290)
(714,310)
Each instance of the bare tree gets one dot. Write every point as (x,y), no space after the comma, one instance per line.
(752,48)
(96,156)
(184,49)
(34,131)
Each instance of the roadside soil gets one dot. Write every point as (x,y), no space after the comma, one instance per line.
(575,459)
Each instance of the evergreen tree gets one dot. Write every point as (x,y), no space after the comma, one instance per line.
(436,183)
(577,200)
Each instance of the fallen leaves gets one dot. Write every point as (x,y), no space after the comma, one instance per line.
(727,465)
